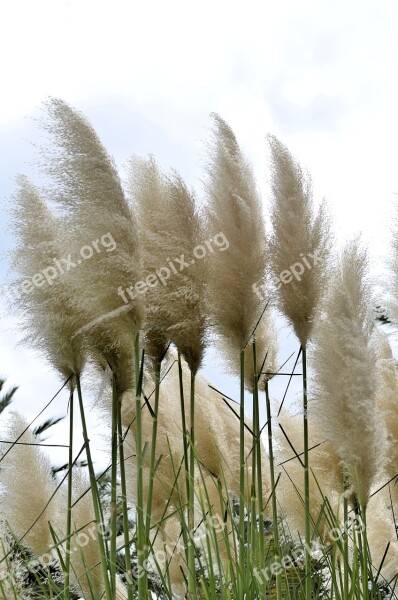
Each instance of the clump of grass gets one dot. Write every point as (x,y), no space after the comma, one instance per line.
(191,488)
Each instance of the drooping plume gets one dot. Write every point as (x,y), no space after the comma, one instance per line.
(147,188)
(345,377)
(171,230)
(27,485)
(299,245)
(102,230)
(49,308)
(234,208)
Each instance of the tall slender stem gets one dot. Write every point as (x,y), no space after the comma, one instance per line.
(308,569)
(185,436)
(253,495)
(153,453)
(95,493)
(242,476)
(69,508)
(273,499)
(127,553)
(363,537)
(183,422)
(113,519)
(346,547)
(191,497)
(142,574)
(261,558)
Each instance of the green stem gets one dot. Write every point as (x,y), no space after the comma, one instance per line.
(153,454)
(273,499)
(365,559)
(69,509)
(241,580)
(113,519)
(142,574)
(127,553)
(254,491)
(185,436)
(95,494)
(183,423)
(191,497)
(346,548)
(308,569)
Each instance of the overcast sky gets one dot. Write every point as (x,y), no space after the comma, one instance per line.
(322,76)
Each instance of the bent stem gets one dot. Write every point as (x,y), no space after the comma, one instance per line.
(95,494)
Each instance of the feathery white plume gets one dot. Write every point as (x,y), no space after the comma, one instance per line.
(170,230)
(387,405)
(234,208)
(299,243)
(27,485)
(380,533)
(346,375)
(87,188)
(49,309)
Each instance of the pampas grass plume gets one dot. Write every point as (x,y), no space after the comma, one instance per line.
(346,375)
(298,231)
(387,405)
(27,485)
(50,313)
(88,191)
(234,207)
(171,227)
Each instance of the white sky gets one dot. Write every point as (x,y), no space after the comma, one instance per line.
(320,75)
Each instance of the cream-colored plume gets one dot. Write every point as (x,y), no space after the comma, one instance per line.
(102,233)
(27,485)
(387,405)
(326,475)
(49,309)
(147,189)
(299,245)
(170,231)
(345,375)
(234,208)
(381,531)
